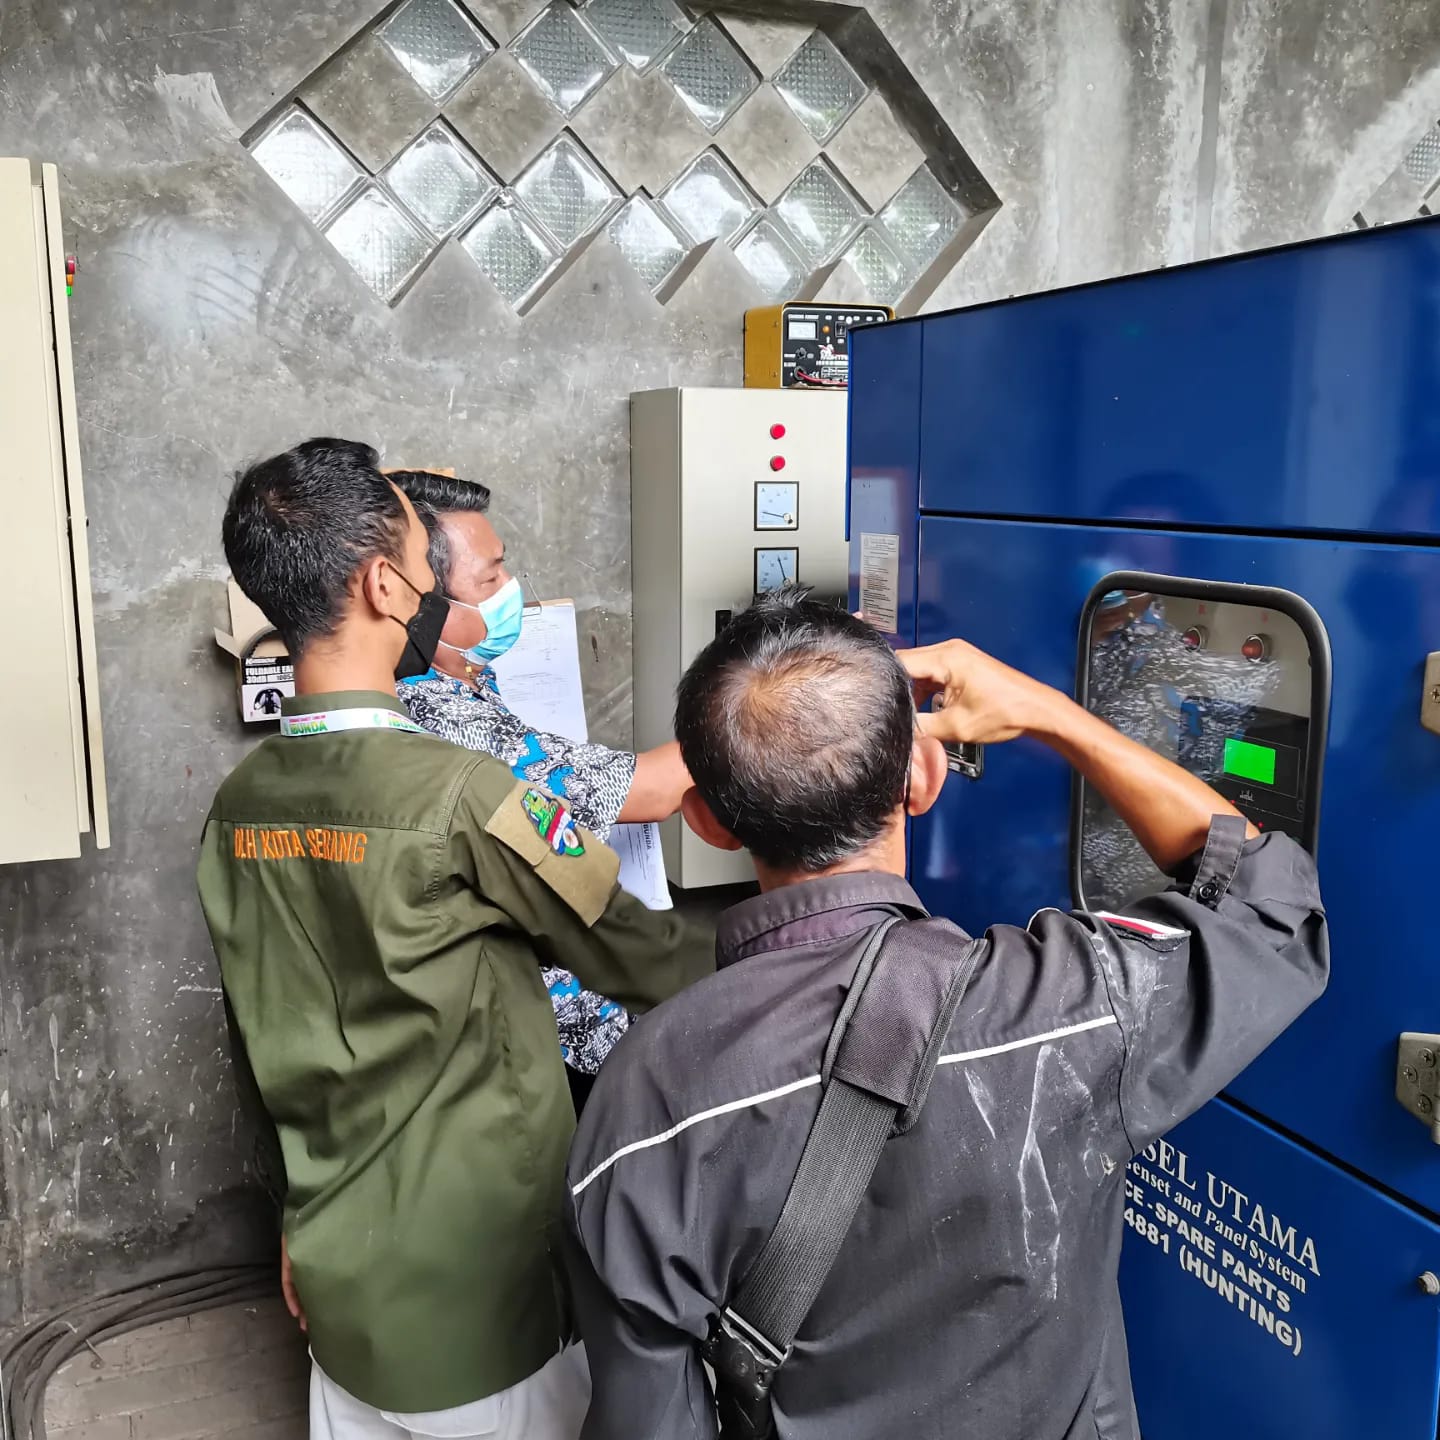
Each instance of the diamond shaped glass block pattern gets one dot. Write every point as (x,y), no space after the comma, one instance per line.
(821,211)
(710,75)
(922,219)
(563,56)
(307,163)
(709,199)
(437,43)
(1422,164)
(567,192)
(772,260)
(440,181)
(647,240)
(512,251)
(818,84)
(881,270)
(639,31)
(384,245)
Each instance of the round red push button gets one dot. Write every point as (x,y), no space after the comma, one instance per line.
(777,462)
(777,432)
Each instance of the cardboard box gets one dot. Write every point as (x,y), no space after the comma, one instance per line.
(264,674)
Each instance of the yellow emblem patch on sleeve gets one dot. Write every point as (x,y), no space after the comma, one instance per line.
(573,863)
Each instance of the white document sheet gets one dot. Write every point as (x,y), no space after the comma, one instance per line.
(539,679)
(642,865)
(539,675)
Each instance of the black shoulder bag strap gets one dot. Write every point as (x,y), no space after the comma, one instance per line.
(879,1062)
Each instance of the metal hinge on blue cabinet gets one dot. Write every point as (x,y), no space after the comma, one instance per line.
(1417,1078)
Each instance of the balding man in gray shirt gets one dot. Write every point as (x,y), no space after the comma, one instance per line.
(975,1294)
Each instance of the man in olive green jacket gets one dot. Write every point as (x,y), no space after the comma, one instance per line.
(381,902)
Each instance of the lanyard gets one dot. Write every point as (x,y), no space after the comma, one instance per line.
(327,722)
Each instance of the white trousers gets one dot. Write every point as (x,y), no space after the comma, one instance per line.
(550,1405)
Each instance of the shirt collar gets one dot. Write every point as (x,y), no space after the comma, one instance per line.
(342,700)
(438,677)
(817,909)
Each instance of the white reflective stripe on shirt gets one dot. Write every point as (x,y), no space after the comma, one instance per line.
(1099,1022)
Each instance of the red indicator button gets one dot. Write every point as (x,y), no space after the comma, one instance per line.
(1256,648)
(1194,638)
(777,432)
(777,462)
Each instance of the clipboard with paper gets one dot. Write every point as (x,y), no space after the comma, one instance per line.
(539,679)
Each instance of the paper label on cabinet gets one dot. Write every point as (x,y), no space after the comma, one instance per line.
(880,581)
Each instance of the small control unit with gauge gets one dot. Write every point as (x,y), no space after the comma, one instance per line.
(734,493)
(804,345)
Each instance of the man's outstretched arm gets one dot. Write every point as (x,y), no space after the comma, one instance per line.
(984,701)
(1201,976)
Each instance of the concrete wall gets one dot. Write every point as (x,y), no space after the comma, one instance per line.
(212,324)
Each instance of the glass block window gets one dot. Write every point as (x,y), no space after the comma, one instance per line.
(647,240)
(512,250)
(639,31)
(380,241)
(709,199)
(770,256)
(307,163)
(437,43)
(819,85)
(709,74)
(1422,164)
(564,57)
(567,191)
(922,219)
(821,211)
(880,268)
(439,180)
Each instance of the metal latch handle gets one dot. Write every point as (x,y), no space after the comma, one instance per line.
(1430,694)
(965,759)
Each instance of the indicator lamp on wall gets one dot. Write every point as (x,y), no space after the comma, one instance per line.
(1195,637)
(777,432)
(1256,648)
(777,462)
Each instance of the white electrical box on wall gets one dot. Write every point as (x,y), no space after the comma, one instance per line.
(732,492)
(52,763)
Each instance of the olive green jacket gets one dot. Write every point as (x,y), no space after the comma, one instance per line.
(381,903)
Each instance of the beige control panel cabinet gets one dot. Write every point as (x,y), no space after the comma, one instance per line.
(732,492)
(52,762)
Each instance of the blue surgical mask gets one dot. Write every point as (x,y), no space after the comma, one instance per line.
(503,612)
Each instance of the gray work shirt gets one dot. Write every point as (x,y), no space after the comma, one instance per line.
(976,1293)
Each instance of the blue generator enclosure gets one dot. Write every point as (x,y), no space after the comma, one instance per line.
(1206,502)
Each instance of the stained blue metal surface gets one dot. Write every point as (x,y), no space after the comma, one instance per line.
(1290,390)
(1016,589)
(1267,420)
(1283,1301)
(885,455)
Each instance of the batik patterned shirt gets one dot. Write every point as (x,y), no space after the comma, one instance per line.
(593,780)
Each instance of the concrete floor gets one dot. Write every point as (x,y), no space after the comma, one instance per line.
(240,1372)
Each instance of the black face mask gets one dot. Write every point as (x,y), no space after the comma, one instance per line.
(422,632)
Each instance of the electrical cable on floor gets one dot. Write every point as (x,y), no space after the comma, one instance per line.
(29,1358)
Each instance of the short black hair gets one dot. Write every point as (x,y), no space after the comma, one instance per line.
(435,495)
(299,525)
(796,723)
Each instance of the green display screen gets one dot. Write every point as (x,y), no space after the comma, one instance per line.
(1247,761)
